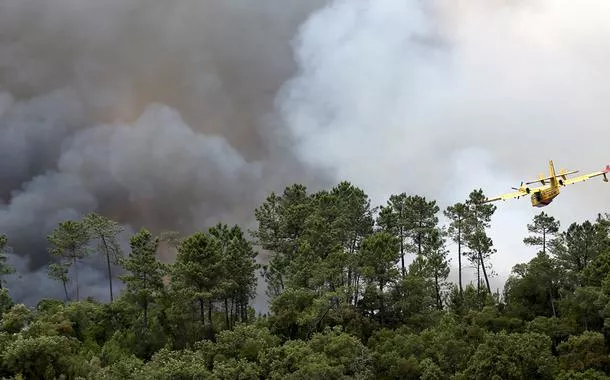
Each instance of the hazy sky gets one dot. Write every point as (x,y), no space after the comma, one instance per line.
(441,97)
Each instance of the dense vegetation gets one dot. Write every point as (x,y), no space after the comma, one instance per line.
(356,292)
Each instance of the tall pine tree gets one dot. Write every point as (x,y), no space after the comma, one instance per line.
(69,242)
(144,273)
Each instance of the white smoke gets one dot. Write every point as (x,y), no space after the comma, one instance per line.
(441,97)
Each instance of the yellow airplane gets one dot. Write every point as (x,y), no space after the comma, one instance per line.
(544,195)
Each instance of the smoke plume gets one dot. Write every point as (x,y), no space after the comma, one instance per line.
(441,97)
(153,113)
(177,115)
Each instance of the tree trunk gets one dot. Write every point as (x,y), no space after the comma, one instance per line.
(108,263)
(381,306)
(210,314)
(145,315)
(419,238)
(438,292)
(201,311)
(459,241)
(65,290)
(356,288)
(478,276)
(402,250)
(76,279)
(350,273)
(227,314)
(552,302)
(484,272)
(544,241)
(232,316)
(244,309)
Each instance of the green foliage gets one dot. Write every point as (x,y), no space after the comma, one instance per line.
(16,318)
(458,216)
(344,303)
(544,228)
(105,231)
(512,356)
(69,242)
(586,351)
(533,288)
(144,277)
(6,302)
(46,357)
(5,268)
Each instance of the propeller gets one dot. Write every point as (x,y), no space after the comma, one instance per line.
(521,188)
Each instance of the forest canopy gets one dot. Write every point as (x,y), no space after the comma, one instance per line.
(356,291)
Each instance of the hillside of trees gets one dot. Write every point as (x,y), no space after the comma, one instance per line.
(356,292)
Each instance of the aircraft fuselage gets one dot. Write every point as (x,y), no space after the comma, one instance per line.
(545,196)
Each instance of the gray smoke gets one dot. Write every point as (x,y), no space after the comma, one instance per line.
(441,97)
(154,113)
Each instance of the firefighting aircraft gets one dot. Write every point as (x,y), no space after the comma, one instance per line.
(544,195)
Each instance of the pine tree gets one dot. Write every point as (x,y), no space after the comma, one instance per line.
(458,216)
(5,269)
(144,277)
(239,283)
(198,272)
(478,242)
(544,228)
(59,272)
(69,241)
(106,232)
(437,263)
(396,218)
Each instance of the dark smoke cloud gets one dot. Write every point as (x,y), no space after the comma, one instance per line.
(154,113)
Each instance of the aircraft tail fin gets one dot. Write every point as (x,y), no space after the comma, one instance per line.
(552,174)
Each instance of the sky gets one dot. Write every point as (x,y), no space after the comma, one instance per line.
(178,115)
(442,97)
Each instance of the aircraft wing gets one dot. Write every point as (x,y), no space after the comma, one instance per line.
(506,196)
(587,176)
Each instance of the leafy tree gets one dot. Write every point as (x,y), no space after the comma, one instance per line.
(585,306)
(144,277)
(106,232)
(5,269)
(512,356)
(544,228)
(582,352)
(458,217)
(69,241)
(532,288)
(46,357)
(576,248)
